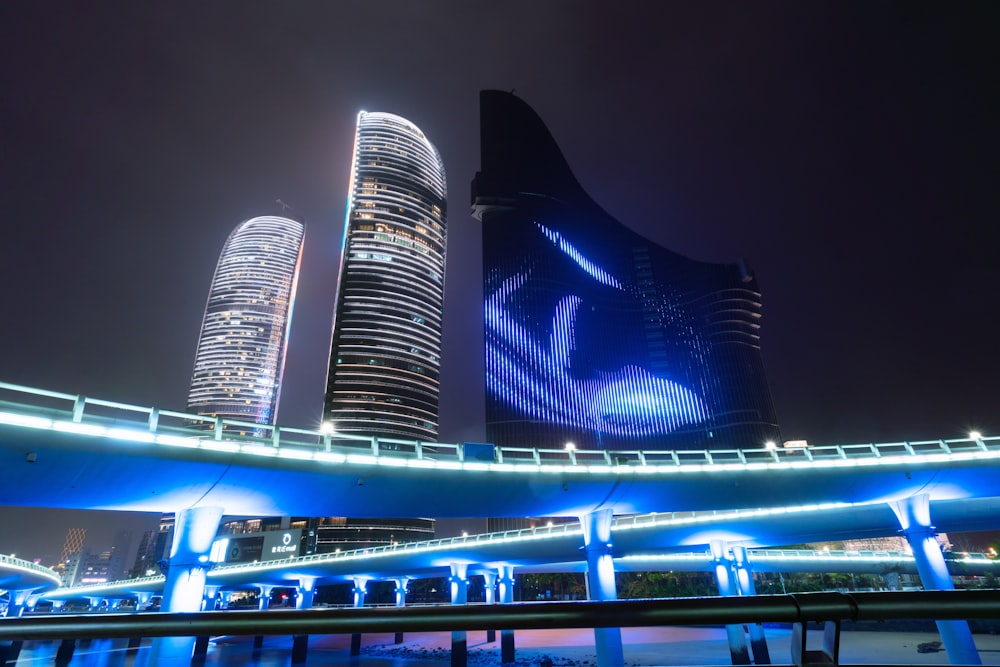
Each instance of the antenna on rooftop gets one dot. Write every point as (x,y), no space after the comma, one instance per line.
(283,205)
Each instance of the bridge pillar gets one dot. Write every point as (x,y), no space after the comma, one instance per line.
(459,584)
(728,587)
(400,602)
(16,603)
(744,578)
(194,530)
(490,589)
(184,588)
(914,517)
(601,580)
(305,592)
(505,589)
(264,601)
(210,601)
(360,590)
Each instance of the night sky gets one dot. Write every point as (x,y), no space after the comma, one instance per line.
(847,151)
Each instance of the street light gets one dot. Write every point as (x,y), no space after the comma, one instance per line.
(570,446)
(975,435)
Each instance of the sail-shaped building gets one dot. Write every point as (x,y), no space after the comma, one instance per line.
(594,334)
(240,356)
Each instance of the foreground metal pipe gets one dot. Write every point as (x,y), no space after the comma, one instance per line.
(794,608)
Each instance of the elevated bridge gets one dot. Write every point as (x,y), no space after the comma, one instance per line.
(62,450)
(70,451)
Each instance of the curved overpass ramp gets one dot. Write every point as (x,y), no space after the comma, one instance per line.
(61,450)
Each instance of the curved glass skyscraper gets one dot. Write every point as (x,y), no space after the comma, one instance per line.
(386,347)
(594,334)
(244,336)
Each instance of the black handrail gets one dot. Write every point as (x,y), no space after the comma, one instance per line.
(792,608)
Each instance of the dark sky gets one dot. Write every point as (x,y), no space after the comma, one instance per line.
(848,151)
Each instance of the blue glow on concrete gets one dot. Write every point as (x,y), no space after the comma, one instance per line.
(915,520)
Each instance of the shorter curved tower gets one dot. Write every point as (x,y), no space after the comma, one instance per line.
(385,353)
(244,336)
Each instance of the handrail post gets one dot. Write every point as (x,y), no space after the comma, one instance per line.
(78,406)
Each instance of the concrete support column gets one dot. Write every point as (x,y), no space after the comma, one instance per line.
(17,601)
(601,581)
(194,530)
(728,587)
(505,591)
(209,602)
(360,590)
(914,517)
(490,589)
(142,599)
(264,601)
(400,602)
(305,593)
(225,597)
(184,588)
(744,579)
(459,585)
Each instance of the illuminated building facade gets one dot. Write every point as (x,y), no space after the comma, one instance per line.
(244,336)
(595,335)
(386,346)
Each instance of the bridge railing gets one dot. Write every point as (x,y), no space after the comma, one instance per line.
(28,566)
(40,408)
(798,609)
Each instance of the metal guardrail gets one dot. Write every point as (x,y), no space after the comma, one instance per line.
(27,565)
(791,608)
(40,408)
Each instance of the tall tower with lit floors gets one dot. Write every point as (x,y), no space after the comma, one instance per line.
(244,336)
(385,353)
(386,348)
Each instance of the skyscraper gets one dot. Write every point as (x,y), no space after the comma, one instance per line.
(386,346)
(385,352)
(594,334)
(244,336)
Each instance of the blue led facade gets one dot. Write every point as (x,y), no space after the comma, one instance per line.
(594,334)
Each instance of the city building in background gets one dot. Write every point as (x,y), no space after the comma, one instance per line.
(69,557)
(244,336)
(118,556)
(154,548)
(385,354)
(597,338)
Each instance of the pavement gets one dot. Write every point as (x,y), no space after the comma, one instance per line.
(648,647)
(643,647)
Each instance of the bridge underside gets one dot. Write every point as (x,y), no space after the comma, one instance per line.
(54,469)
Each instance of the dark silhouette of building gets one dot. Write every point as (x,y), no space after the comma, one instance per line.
(595,335)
